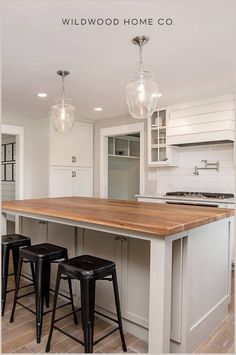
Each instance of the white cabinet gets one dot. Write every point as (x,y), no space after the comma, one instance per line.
(71,161)
(74,148)
(132,265)
(160,153)
(71,181)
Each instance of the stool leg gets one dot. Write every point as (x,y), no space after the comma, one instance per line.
(15,257)
(17,288)
(47,276)
(72,301)
(117,300)
(71,295)
(39,297)
(5,264)
(32,273)
(92,305)
(54,309)
(87,317)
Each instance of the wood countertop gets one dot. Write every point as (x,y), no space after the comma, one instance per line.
(152,218)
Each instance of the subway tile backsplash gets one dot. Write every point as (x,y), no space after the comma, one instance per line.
(182,177)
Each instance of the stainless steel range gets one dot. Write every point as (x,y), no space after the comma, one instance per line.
(211,199)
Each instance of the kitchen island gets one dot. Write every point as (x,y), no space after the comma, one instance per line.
(189,257)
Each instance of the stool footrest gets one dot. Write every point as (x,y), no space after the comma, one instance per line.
(61,306)
(70,336)
(27,294)
(67,315)
(22,305)
(103,315)
(20,288)
(106,335)
(11,274)
(80,341)
(27,278)
(60,294)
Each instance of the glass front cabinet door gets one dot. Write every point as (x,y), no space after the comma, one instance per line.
(159,152)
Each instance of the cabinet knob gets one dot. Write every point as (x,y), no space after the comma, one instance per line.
(117,237)
(123,240)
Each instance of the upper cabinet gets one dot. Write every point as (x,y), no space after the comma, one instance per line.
(71,161)
(159,152)
(204,121)
(74,148)
(197,122)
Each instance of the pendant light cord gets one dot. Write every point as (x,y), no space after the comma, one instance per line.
(63,90)
(140,58)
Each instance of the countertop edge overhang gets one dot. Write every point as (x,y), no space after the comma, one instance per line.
(156,219)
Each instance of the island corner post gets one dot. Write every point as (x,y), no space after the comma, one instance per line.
(194,252)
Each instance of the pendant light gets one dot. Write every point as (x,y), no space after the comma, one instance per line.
(142,92)
(62,113)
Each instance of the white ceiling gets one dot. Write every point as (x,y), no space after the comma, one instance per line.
(193,57)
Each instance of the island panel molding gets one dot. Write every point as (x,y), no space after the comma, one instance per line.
(156,219)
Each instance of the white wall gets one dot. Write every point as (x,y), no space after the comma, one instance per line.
(182,177)
(40,158)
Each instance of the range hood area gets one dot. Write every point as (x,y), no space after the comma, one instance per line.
(202,122)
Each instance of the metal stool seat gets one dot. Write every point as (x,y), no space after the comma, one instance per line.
(13,243)
(41,255)
(88,269)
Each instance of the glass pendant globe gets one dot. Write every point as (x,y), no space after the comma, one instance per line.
(142,95)
(63,116)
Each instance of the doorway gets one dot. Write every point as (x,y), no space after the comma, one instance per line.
(8,174)
(109,148)
(123,166)
(12,145)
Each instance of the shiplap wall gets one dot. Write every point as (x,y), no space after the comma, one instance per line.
(8,187)
(182,177)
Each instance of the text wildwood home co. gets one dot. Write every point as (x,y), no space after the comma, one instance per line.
(69,21)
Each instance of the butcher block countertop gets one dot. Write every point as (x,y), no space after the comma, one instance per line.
(151,218)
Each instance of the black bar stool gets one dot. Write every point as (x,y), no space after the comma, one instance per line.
(88,269)
(13,243)
(42,255)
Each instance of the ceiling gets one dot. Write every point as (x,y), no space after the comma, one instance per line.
(192,57)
